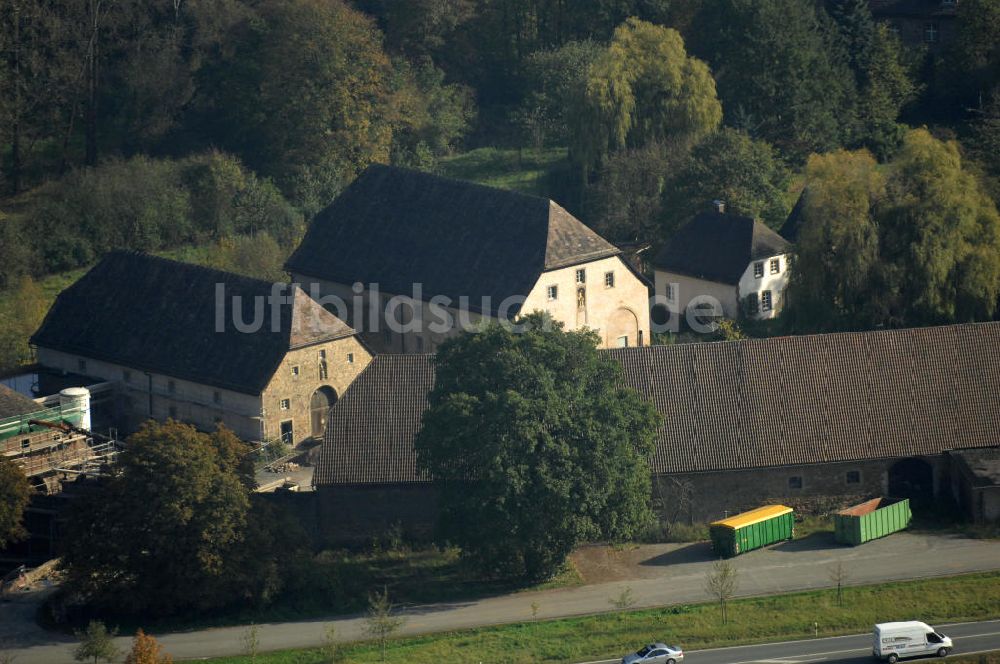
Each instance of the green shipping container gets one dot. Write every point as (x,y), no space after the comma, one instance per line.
(870,520)
(752,530)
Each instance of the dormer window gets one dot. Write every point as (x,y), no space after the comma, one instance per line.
(758,269)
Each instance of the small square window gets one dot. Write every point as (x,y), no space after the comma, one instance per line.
(217,396)
(775,266)
(581,276)
(350,358)
(171,386)
(853,477)
(25,443)
(931,32)
(81,365)
(295,370)
(758,269)
(127,376)
(765,301)
(609,279)
(553,292)
(285,404)
(795,482)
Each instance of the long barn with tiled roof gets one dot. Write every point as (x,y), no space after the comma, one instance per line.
(797,418)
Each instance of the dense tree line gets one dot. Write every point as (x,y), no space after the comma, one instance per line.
(662,104)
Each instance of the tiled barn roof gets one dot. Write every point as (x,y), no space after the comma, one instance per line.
(735,405)
(370,431)
(718,247)
(14,403)
(159,315)
(396,227)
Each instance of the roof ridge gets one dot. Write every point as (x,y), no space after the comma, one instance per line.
(453,180)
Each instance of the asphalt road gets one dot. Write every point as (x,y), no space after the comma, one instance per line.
(967,637)
(674,574)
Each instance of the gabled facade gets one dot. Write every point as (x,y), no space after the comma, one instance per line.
(203,346)
(464,253)
(728,259)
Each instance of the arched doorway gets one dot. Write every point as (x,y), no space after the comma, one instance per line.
(319,405)
(623,329)
(913,479)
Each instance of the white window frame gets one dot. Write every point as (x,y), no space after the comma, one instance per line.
(766,300)
(552,293)
(758,270)
(581,276)
(775,266)
(285,404)
(609,279)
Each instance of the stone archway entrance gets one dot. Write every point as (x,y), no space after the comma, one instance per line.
(319,405)
(913,479)
(623,329)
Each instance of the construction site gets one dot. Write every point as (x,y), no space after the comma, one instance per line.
(51,440)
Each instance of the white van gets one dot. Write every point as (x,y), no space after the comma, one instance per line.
(896,640)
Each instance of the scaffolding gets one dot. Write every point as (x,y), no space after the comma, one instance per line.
(49,443)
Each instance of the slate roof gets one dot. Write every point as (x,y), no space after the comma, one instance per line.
(718,247)
(159,315)
(396,227)
(734,405)
(793,223)
(14,403)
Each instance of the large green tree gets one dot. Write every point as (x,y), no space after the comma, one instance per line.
(644,88)
(165,532)
(914,243)
(941,234)
(14,494)
(301,93)
(534,446)
(836,256)
(728,165)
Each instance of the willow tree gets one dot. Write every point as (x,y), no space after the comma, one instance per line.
(644,88)
(942,233)
(837,251)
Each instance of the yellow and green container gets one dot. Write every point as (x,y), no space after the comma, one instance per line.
(870,520)
(752,530)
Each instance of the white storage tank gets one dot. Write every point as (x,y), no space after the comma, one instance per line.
(77,398)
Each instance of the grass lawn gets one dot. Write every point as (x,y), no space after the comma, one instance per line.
(780,617)
(523,171)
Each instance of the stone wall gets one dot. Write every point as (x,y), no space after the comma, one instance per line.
(299,376)
(818,488)
(357,515)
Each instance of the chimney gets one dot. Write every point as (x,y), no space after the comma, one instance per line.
(719,206)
